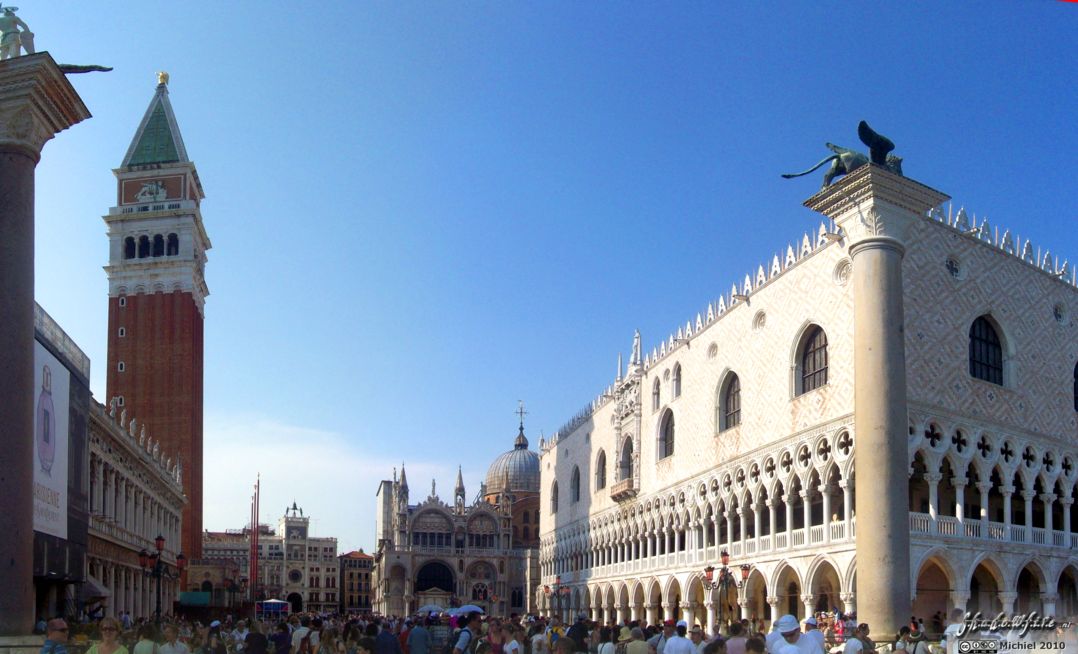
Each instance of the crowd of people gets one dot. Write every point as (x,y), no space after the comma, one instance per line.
(475,633)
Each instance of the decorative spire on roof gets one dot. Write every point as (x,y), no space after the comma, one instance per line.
(458,493)
(404,479)
(157,140)
(521,442)
(634,358)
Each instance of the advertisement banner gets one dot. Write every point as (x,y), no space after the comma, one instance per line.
(52,391)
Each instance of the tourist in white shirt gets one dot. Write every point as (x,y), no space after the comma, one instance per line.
(172,644)
(789,630)
(679,644)
(239,636)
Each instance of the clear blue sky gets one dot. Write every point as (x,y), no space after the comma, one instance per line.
(422,212)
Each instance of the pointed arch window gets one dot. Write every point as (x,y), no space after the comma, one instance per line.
(985,352)
(655,395)
(554,498)
(574,486)
(625,466)
(666,435)
(600,470)
(677,381)
(813,362)
(730,413)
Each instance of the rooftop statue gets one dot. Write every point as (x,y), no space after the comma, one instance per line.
(845,161)
(12,39)
(16,37)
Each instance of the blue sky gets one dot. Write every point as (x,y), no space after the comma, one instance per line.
(422,212)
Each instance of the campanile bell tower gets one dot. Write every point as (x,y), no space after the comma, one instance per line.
(157,293)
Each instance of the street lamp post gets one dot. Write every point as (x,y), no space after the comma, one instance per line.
(725,579)
(558,591)
(153,566)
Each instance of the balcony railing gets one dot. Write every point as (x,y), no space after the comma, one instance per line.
(623,490)
(923,523)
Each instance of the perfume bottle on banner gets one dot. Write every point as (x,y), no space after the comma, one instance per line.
(46,423)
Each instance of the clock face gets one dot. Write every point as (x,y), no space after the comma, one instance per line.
(295,576)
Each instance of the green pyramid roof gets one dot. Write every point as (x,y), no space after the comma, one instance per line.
(156,144)
(158,139)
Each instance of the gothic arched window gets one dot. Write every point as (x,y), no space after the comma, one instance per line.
(677,381)
(985,352)
(730,412)
(554,498)
(666,435)
(574,486)
(655,395)
(813,361)
(600,470)
(625,466)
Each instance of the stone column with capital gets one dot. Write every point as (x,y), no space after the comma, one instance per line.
(773,603)
(875,210)
(36,102)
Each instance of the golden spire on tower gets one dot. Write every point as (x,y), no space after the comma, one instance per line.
(162,77)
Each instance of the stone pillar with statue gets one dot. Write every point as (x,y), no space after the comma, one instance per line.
(874,206)
(36,102)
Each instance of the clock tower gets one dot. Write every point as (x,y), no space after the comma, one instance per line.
(157,292)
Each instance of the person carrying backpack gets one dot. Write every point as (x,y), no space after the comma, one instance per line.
(469,638)
(301,638)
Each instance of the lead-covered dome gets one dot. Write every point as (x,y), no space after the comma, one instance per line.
(516,471)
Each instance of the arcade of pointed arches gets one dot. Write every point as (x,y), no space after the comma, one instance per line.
(799,496)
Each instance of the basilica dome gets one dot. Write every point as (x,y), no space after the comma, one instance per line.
(516,471)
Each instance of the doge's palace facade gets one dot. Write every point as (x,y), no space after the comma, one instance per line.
(915,368)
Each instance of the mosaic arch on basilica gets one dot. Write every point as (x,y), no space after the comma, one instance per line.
(740,433)
(483,552)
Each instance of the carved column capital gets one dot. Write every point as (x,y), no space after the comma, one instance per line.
(875,207)
(36,102)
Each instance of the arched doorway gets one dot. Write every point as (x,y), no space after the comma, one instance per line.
(1067,589)
(296,600)
(825,586)
(984,589)
(435,575)
(788,590)
(673,597)
(757,610)
(1029,590)
(934,589)
(435,584)
(638,602)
